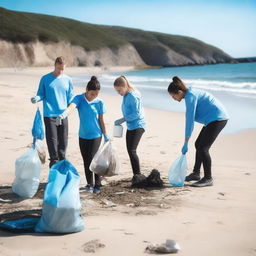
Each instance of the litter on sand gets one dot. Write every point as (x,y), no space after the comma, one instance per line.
(170,246)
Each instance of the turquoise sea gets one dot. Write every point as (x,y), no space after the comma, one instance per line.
(233,84)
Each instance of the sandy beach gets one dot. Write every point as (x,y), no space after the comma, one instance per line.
(217,220)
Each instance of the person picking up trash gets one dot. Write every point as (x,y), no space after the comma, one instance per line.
(56,92)
(203,108)
(133,115)
(92,127)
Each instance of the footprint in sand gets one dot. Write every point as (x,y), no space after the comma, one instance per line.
(92,246)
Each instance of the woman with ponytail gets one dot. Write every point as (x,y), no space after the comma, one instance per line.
(92,127)
(133,115)
(203,108)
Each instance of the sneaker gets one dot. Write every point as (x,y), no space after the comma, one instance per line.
(89,188)
(203,182)
(193,176)
(53,162)
(96,190)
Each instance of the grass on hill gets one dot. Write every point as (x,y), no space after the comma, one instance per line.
(28,27)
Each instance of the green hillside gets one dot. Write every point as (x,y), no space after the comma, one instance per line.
(27,27)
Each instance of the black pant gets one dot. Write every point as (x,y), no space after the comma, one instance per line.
(88,149)
(56,139)
(203,143)
(132,141)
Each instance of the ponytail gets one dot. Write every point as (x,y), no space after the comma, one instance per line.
(122,81)
(176,85)
(93,84)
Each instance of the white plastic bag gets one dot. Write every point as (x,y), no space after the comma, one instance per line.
(27,173)
(105,162)
(178,171)
(40,150)
(114,163)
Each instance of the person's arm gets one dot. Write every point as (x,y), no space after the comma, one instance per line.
(102,124)
(65,113)
(40,92)
(191,103)
(70,93)
(119,121)
(69,109)
(102,110)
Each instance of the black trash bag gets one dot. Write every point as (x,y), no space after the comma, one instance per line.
(154,179)
(139,181)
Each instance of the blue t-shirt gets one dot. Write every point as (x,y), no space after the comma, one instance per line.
(56,94)
(89,116)
(203,108)
(133,111)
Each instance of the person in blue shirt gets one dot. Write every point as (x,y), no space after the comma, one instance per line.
(92,127)
(56,92)
(133,115)
(203,108)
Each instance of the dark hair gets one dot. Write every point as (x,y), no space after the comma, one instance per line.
(93,84)
(176,85)
(60,60)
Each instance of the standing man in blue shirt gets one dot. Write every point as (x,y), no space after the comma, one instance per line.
(56,92)
(203,108)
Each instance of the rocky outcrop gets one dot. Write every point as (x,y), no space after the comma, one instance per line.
(43,54)
(162,55)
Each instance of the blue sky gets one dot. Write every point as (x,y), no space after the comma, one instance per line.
(227,24)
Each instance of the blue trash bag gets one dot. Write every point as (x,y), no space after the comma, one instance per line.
(20,225)
(178,171)
(61,206)
(38,128)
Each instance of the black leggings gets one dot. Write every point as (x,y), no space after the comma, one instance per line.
(88,149)
(203,143)
(132,141)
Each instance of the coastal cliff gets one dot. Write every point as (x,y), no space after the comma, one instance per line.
(28,39)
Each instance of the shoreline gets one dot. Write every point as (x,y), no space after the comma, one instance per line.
(74,70)
(37,72)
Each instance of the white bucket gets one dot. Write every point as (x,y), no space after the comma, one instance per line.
(118,131)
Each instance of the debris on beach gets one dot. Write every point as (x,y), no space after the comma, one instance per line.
(92,246)
(108,203)
(170,246)
(139,181)
(153,180)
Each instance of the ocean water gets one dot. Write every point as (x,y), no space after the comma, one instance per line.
(233,84)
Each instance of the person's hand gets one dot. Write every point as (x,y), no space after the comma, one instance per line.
(34,99)
(58,121)
(63,115)
(184,149)
(59,118)
(106,137)
(119,121)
